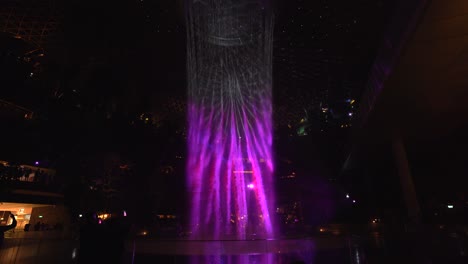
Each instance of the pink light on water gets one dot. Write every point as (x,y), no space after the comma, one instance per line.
(230,162)
(227,178)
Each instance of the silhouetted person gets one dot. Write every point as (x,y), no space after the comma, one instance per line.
(102,241)
(37,226)
(91,237)
(3,229)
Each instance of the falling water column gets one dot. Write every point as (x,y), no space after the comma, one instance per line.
(229,170)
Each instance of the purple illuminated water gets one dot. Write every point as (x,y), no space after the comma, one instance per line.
(230,161)
(229,169)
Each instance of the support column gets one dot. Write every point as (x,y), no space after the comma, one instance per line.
(406,181)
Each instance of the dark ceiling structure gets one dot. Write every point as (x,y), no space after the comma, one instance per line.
(418,96)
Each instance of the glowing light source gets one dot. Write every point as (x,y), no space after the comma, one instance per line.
(450,206)
(36,163)
(245,171)
(250,186)
(347,196)
(80,215)
(104,216)
(74,253)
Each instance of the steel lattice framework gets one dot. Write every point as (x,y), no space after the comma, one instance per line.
(35,21)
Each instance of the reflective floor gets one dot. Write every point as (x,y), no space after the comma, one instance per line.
(373,248)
